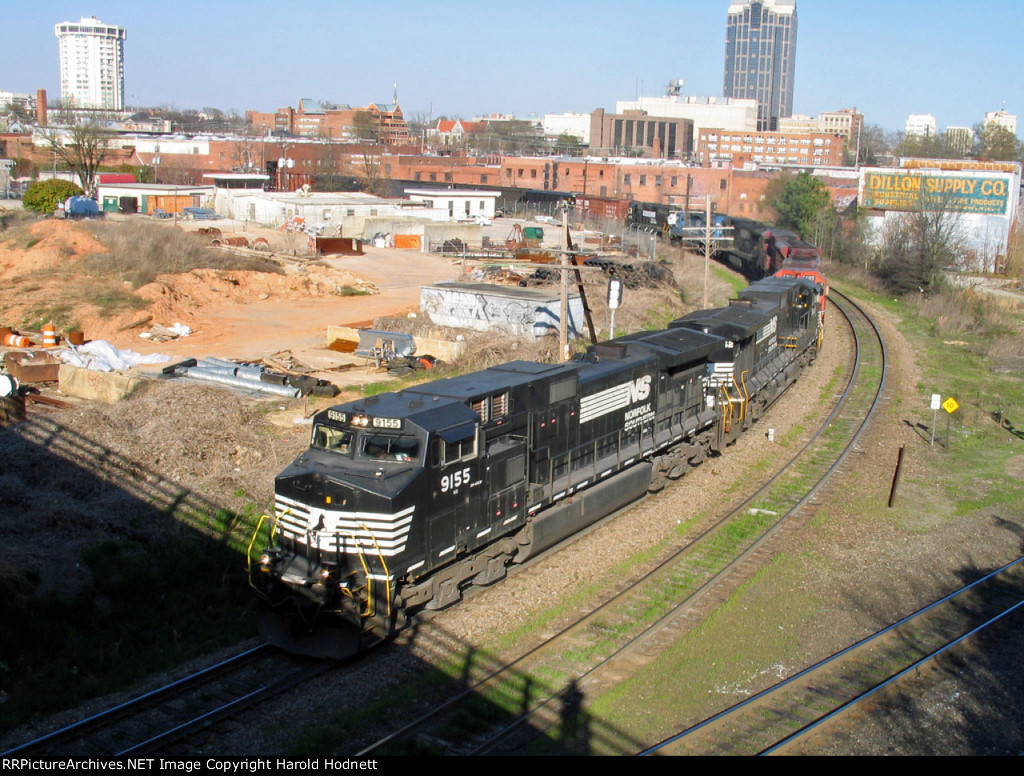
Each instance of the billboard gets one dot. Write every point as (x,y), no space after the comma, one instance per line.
(893,189)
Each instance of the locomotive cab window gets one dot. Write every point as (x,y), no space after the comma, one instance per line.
(327,438)
(458,444)
(379,447)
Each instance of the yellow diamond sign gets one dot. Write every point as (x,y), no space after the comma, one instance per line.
(950,405)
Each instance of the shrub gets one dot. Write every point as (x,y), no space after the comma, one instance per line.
(138,251)
(43,196)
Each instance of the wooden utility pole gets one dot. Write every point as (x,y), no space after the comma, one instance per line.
(563,326)
(707,252)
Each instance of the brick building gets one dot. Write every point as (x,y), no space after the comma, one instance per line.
(383,121)
(740,149)
(635,131)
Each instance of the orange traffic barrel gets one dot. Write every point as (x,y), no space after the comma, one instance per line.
(17,341)
(49,335)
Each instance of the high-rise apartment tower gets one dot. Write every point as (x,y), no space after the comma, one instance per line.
(91,64)
(760,57)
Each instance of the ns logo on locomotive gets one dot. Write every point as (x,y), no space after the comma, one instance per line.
(404,499)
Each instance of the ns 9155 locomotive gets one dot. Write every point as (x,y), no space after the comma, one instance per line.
(404,499)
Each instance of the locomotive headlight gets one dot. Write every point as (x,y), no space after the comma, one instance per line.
(269,559)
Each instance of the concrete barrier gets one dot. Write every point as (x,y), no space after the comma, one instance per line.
(446,350)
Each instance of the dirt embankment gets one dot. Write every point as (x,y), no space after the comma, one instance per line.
(55,269)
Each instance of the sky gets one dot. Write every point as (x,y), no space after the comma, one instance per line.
(459,58)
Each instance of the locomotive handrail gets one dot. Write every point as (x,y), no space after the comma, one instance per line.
(740,400)
(252,541)
(384,566)
(746,390)
(368,612)
(726,409)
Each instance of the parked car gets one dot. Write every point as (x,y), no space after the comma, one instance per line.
(160,213)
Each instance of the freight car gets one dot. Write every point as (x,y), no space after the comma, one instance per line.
(404,499)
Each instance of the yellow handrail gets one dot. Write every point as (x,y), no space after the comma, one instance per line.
(252,541)
(383,565)
(727,409)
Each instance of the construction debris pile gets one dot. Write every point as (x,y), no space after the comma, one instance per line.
(254,377)
(38,360)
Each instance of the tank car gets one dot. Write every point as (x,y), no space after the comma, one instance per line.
(404,499)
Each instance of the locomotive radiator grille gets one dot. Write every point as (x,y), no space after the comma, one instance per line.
(330,530)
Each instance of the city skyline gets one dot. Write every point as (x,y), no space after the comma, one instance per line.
(887,60)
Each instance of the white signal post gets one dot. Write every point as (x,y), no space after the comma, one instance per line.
(614,302)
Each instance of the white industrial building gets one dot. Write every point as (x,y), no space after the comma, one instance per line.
(336,213)
(734,115)
(576,125)
(91,64)
(459,204)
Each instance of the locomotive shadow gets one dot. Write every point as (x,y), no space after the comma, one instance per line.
(109,571)
(985,686)
(564,727)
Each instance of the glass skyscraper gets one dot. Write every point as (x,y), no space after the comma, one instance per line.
(760,57)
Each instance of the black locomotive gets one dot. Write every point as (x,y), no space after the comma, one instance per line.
(404,499)
(752,247)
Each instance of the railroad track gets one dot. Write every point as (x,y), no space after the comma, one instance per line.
(158,720)
(538,696)
(796,715)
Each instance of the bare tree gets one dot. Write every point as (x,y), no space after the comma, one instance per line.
(365,126)
(372,172)
(918,247)
(82,148)
(246,152)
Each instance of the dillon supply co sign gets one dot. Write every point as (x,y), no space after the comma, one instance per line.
(956,193)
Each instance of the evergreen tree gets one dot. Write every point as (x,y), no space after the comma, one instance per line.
(43,196)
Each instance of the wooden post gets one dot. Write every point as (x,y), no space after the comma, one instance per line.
(563,326)
(707,252)
(896,476)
